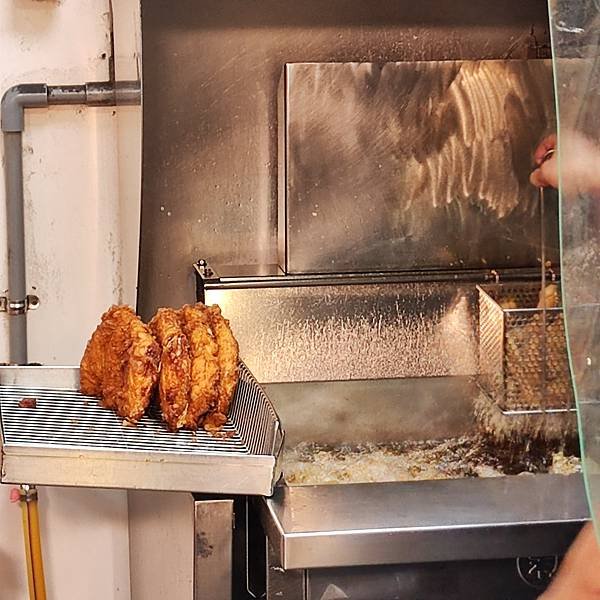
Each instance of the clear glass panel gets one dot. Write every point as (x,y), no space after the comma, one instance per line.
(576,48)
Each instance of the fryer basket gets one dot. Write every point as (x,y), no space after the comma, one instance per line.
(511,350)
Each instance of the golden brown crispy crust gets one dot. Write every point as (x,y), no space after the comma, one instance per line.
(114,352)
(120,363)
(142,372)
(91,369)
(198,357)
(93,363)
(205,363)
(213,422)
(229,354)
(175,367)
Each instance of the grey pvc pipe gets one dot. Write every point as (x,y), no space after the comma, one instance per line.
(66,94)
(15,219)
(12,121)
(13,105)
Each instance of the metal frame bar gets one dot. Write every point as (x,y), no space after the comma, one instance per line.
(213,549)
(215,278)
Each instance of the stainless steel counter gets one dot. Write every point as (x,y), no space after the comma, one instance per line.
(392,523)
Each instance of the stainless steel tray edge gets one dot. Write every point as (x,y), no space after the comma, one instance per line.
(21,465)
(429,521)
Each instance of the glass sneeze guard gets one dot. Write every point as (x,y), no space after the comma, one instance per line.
(575,34)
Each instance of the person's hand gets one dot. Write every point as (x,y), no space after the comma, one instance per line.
(546,173)
(579,160)
(579,575)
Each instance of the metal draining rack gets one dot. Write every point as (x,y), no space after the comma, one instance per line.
(69,439)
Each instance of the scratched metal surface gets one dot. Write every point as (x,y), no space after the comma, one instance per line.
(211,71)
(353,332)
(413,165)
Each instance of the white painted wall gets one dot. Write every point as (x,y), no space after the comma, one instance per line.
(81,219)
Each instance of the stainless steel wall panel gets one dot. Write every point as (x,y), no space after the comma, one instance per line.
(366,412)
(211,71)
(352,332)
(213,548)
(413,165)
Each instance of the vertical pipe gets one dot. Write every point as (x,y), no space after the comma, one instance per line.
(28,554)
(15,219)
(36,548)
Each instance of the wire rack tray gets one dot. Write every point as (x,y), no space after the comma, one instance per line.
(54,435)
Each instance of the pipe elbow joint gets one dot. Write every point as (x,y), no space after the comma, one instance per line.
(14,102)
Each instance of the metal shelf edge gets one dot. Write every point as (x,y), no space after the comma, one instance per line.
(254,478)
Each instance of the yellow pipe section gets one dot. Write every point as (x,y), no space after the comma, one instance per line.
(36,550)
(33,544)
(27,540)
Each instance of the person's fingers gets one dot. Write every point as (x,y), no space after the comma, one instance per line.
(546,174)
(577,579)
(536,178)
(547,144)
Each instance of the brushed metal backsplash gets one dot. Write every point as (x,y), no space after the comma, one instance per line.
(211,71)
(413,165)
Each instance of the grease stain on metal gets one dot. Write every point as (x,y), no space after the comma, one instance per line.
(204,548)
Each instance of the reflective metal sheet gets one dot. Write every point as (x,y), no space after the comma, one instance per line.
(376,411)
(412,165)
(213,547)
(351,332)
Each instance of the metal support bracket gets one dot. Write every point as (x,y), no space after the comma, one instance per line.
(213,546)
(19,307)
(204,269)
(204,272)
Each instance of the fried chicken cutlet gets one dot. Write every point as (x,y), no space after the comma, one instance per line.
(205,371)
(121,362)
(175,367)
(228,355)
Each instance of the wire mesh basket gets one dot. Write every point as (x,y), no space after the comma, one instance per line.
(521,366)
